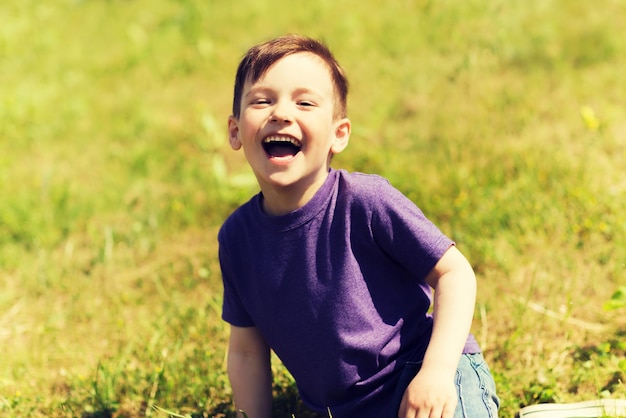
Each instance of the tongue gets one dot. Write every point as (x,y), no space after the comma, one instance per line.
(281,150)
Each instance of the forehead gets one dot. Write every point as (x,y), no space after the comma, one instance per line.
(302,68)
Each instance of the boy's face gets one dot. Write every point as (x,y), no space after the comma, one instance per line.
(287,127)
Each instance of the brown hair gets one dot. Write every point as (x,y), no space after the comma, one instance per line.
(260,57)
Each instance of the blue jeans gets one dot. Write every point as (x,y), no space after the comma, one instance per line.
(474,384)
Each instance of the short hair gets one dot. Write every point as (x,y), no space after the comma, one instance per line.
(261,57)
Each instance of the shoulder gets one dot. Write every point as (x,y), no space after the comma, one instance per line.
(370,190)
(382,203)
(238,220)
(361,186)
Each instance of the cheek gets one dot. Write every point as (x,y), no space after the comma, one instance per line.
(246,130)
(253,123)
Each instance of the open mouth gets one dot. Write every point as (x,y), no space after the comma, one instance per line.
(281,146)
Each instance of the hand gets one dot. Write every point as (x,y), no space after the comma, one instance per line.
(430,394)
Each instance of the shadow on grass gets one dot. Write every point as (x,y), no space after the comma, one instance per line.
(608,354)
(287,403)
(104,413)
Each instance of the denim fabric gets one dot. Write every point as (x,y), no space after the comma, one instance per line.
(474,384)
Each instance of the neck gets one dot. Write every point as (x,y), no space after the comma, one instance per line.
(283,200)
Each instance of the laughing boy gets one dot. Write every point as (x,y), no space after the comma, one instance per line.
(335,271)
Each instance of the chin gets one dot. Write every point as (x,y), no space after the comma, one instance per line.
(282,180)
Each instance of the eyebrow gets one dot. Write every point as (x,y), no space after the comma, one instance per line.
(298,91)
(256,90)
(304,90)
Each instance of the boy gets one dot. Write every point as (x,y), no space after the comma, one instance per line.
(333,270)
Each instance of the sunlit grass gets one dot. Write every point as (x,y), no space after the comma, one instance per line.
(504,122)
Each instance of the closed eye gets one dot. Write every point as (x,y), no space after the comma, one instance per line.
(260,102)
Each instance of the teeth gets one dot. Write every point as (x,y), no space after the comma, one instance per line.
(289,139)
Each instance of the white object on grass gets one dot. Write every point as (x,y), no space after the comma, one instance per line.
(588,409)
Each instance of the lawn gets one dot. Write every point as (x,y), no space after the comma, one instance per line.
(504,121)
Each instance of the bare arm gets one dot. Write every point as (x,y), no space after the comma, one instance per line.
(455,296)
(433,390)
(249,372)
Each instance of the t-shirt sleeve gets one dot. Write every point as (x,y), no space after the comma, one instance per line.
(233,309)
(402,230)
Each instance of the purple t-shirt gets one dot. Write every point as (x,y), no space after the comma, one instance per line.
(336,287)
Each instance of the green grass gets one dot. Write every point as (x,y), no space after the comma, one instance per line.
(504,121)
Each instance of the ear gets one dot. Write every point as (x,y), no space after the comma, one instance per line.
(233,133)
(343,128)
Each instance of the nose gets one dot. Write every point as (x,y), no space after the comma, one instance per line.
(280,113)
